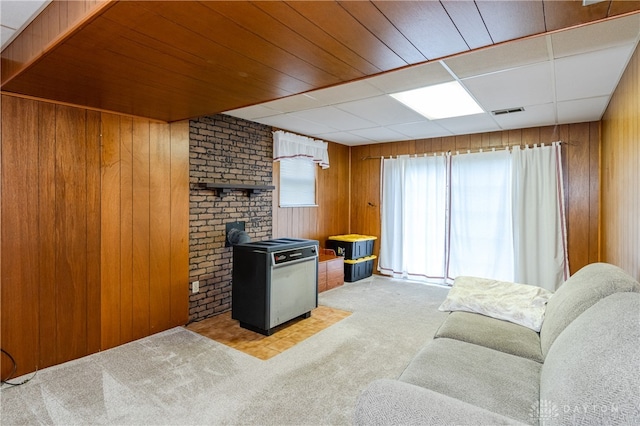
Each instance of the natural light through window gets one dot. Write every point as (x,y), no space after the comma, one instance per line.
(440,101)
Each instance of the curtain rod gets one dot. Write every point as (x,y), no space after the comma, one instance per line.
(468,151)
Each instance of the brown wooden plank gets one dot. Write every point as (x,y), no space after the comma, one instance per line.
(93,232)
(468,21)
(201,18)
(594,191)
(531,136)
(619,7)
(279,34)
(508,20)
(563,14)
(185,65)
(71,233)
(160,224)
(179,223)
(19,228)
(427,25)
(126,229)
(371,18)
(179,35)
(343,27)
(620,198)
(289,16)
(110,231)
(578,190)
(141,229)
(47,225)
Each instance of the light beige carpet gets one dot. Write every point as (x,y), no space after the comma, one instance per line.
(179,377)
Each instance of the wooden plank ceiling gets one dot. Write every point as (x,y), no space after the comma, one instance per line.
(174,60)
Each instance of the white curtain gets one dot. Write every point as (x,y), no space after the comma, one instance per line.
(413,217)
(481,239)
(290,145)
(540,254)
(497,214)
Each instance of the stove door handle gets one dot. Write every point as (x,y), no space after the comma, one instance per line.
(292,262)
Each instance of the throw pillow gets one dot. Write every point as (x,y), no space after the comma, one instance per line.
(518,303)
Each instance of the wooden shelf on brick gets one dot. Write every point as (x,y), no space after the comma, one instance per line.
(223,188)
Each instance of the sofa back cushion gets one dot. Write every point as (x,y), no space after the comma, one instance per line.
(592,371)
(581,291)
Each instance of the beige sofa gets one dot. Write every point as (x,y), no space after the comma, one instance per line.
(583,367)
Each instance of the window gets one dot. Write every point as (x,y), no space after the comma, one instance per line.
(491,214)
(297,182)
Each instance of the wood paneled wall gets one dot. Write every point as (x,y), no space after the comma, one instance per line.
(144,226)
(620,216)
(94,230)
(581,175)
(331,216)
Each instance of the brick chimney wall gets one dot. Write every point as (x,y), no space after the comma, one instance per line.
(224,149)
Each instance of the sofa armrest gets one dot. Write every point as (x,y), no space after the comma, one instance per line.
(392,402)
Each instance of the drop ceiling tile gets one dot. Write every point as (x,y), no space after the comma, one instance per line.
(600,36)
(582,110)
(591,74)
(293,103)
(6,34)
(345,138)
(344,93)
(253,112)
(497,58)
(529,85)
(15,14)
(532,116)
(421,129)
(334,118)
(382,110)
(379,134)
(469,124)
(295,124)
(411,78)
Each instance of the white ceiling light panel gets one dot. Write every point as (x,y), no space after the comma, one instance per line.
(440,101)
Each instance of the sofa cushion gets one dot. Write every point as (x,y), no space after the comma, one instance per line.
(492,333)
(518,303)
(503,383)
(592,371)
(581,291)
(391,402)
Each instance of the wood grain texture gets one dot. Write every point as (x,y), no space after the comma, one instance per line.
(93,187)
(47,234)
(71,232)
(160,218)
(179,231)
(620,173)
(127,234)
(76,230)
(110,231)
(580,157)
(20,244)
(141,225)
(171,60)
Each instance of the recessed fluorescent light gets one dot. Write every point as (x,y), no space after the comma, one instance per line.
(440,101)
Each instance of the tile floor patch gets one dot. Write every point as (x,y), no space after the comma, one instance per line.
(223,329)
